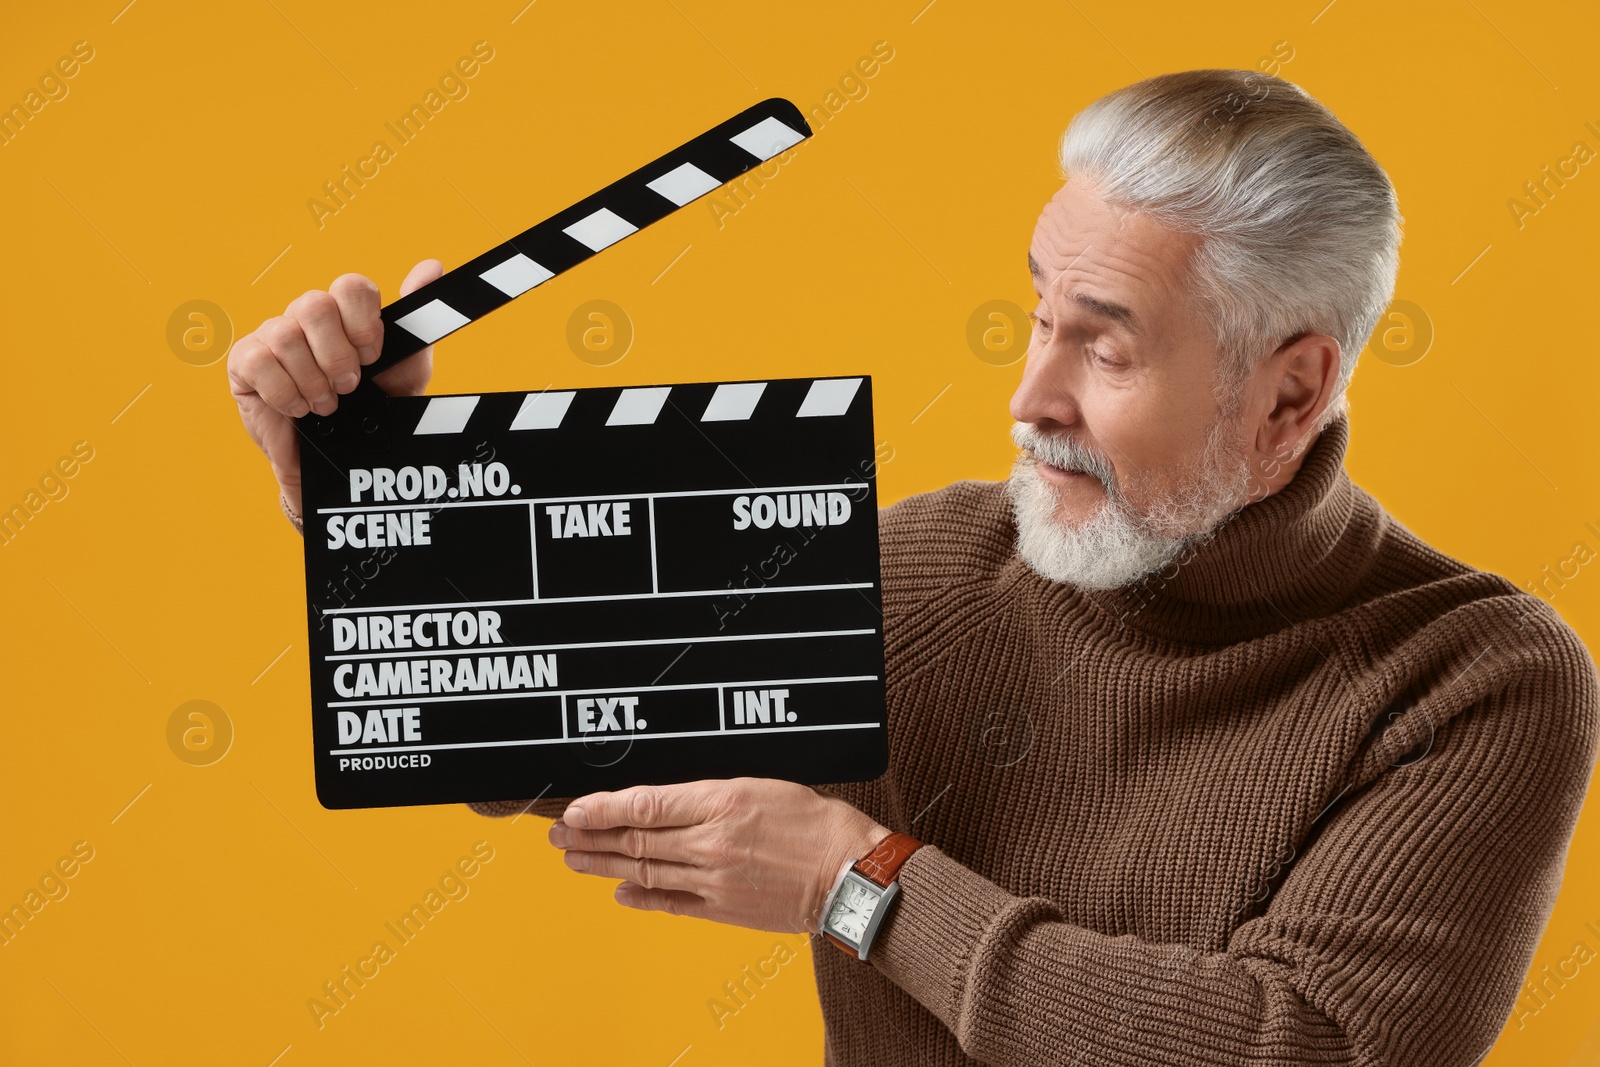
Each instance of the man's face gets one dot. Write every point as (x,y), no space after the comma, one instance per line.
(1127,456)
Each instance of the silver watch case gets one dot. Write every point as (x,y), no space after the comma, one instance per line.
(885,895)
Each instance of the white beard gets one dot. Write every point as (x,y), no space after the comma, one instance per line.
(1118,545)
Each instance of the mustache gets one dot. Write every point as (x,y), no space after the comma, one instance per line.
(1063,452)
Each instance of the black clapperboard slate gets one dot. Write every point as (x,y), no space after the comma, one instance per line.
(514,595)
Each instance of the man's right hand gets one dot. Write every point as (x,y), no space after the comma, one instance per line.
(306,358)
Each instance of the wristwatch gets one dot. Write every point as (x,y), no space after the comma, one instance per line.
(861,896)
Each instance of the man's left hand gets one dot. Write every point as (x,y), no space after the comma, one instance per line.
(755,852)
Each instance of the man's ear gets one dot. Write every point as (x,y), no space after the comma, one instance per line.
(1300,378)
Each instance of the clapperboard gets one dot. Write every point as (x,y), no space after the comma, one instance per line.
(554,592)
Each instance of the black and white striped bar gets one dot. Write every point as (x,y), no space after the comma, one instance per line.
(636,406)
(567,590)
(594,223)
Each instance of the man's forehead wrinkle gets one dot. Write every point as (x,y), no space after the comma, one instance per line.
(1114,231)
(1049,275)
(1062,284)
(1045,279)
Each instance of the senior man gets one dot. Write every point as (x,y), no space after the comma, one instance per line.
(1197,756)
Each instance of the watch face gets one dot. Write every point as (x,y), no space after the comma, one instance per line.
(852,909)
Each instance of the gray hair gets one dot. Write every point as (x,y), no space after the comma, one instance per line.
(1299,226)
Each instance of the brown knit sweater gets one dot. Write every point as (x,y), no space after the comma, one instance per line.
(1302,798)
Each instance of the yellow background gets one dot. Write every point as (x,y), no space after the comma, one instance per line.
(179,167)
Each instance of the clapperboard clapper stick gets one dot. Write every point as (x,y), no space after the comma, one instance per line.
(547,593)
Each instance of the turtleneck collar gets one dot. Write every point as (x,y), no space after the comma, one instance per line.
(1291,556)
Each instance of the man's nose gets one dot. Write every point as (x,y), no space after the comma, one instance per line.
(1044,397)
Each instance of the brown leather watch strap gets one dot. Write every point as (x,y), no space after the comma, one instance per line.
(883,863)
(880,866)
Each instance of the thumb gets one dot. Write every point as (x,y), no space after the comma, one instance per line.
(423,273)
(410,376)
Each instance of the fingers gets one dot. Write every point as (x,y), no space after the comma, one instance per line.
(359,305)
(255,368)
(671,901)
(646,805)
(652,874)
(410,376)
(678,844)
(334,366)
(286,339)
(302,360)
(423,273)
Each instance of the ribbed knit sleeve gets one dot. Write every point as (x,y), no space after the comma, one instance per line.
(545,807)
(1397,936)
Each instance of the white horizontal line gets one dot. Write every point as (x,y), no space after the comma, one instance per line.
(445,502)
(603,596)
(610,737)
(520,694)
(433,653)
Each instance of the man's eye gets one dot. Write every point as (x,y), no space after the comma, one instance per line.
(1037,321)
